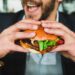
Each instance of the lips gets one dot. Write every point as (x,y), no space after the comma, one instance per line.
(33,2)
(32,6)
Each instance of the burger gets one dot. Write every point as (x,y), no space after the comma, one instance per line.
(42,42)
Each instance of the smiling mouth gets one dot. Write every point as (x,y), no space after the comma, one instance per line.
(32,3)
(33,6)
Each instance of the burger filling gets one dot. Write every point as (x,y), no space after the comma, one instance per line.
(46,44)
(41,45)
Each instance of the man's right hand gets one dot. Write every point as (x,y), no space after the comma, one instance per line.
(12,33)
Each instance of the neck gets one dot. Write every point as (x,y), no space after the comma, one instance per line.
(53,15)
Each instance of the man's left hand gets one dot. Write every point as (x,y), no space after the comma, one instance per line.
(61,30)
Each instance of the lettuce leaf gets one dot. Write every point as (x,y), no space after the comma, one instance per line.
(40,45)
(44,44)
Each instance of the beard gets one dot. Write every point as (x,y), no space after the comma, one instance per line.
(47,10)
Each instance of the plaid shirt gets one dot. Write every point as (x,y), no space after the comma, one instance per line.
(33,68)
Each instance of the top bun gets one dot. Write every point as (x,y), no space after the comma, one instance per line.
(42,35)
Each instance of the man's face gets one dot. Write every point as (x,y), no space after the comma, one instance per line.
(38,9)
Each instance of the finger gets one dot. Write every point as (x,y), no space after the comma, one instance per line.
(67,48)
(28,24)
(22,35)
(60,48)
(53,25)
(56,25)
(21,26)
(31,21)
(56,32)
(48,23)
(19,48)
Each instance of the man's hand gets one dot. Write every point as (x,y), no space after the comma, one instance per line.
(12,33)
(68,36)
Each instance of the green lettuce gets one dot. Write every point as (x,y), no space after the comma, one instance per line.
(44,44)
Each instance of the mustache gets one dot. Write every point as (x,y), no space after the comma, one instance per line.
(36,2)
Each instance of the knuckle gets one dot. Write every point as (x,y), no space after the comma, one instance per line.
(63,33)
(14,34)
(11,36)
(59,25)
(18,24)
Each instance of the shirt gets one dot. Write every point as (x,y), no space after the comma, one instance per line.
(33,68)
(48,64)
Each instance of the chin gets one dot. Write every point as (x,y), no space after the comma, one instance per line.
(34,17)
(42,42)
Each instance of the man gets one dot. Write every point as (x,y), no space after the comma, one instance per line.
(47,15)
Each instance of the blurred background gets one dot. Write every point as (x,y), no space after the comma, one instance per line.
(10,5)
(67,6)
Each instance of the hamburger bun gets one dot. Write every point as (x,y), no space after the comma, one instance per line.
(33,45)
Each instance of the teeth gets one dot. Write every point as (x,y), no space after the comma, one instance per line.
(30,4)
